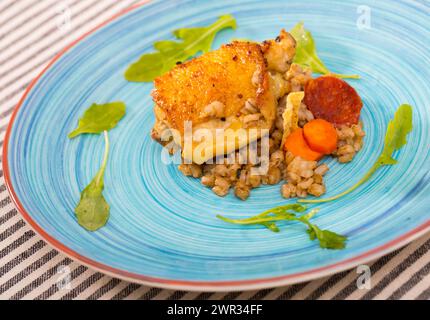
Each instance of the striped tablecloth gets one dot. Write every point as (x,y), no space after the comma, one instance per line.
(31,33)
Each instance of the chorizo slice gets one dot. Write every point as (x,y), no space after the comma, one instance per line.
(334,100)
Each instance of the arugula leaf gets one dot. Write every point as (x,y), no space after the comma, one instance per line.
(194,40)
(99,118)
(397,132)
(396,137)
(271,226)
(327,239)
(306,52)
(93,210)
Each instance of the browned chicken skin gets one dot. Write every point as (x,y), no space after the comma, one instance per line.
(224,75)
(236,86)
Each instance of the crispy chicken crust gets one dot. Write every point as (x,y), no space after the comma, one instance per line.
(280,52)
(230,75)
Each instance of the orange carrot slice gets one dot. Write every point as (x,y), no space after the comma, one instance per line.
(297,145)
(321,136)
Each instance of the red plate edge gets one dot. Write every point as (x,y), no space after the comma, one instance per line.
(188,285)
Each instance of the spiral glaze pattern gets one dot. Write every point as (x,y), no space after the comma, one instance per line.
(163,224)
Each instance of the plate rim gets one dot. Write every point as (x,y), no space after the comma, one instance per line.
(187,285)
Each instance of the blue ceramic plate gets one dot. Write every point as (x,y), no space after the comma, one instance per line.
(163,230)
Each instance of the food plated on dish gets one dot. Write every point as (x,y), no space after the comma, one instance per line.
(245,115)
(159,223)
(244,86)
